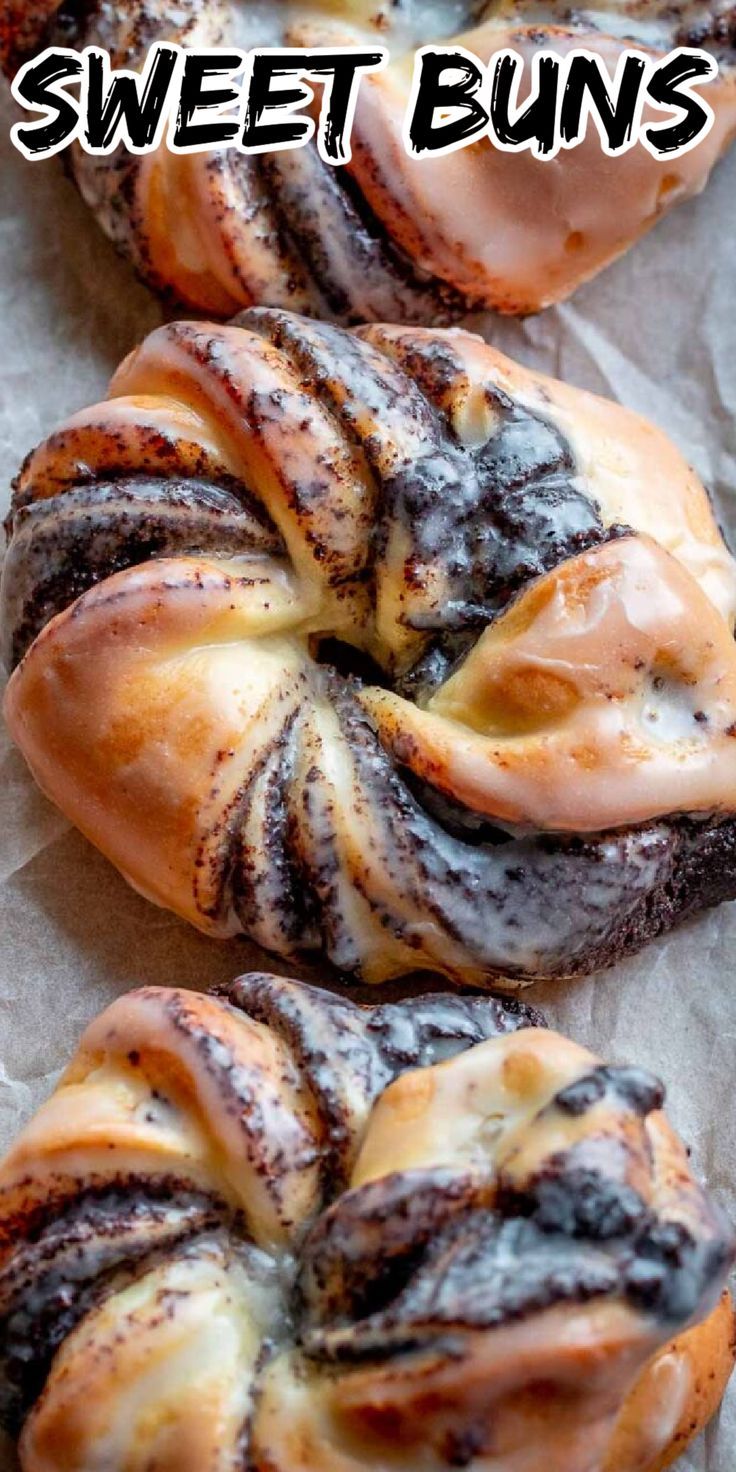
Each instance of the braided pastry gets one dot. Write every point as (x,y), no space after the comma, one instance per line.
(387,238)
(428,652)
(279,1231)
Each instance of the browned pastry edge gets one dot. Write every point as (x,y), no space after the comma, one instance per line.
(383,239)
(334,1235)
(710,1348)
(448,668)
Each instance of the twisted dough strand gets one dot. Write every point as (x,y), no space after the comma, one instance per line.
(416,674)
(277,1230)
(388,238)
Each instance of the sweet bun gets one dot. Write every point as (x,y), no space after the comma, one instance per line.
(274,1229)
(388,238)
(378,645)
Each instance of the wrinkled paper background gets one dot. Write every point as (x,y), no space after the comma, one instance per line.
(658,331)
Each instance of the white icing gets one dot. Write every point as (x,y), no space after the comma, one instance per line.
(604,696)
(168,1370)
(528,232)
(670,1388)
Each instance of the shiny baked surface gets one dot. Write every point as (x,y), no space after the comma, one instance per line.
(274,1229)
(382,646)
(391,238)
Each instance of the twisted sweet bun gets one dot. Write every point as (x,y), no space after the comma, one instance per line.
(432,664)
(388,238)
(429,651)
(274,1229)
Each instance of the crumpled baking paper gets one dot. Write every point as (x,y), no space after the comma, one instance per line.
(656,330)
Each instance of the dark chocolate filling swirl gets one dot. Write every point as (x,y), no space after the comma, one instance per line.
(478,517)
(330,248)
(489,518)
(416,1259)
(69,1257)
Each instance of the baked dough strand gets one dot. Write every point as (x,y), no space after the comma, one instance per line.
(379,645)
(274,1229)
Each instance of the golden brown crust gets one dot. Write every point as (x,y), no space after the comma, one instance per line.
(225,231)
(680,1390)
(416,621)
(348,1238)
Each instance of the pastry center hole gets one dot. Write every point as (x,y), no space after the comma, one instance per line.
(349,662)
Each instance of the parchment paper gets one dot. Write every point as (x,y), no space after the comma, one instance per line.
(658,331)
